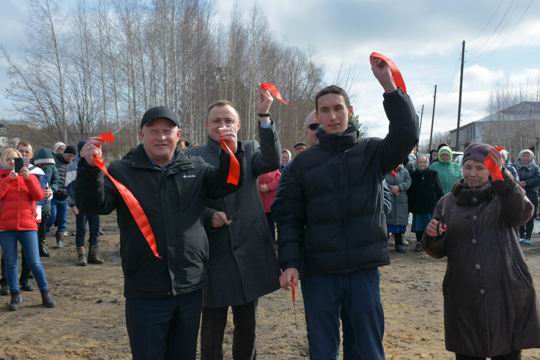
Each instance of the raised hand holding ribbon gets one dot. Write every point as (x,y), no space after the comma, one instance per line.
(274,91)
(387,73)
(493,162)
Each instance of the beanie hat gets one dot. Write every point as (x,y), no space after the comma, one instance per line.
(58,145)
(445,150)
(476,151)
(44,156)
(70,149)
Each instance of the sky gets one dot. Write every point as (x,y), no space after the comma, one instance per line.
(423,37)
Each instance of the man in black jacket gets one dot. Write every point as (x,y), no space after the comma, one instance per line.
(163,295)
(331,210)
(243,263)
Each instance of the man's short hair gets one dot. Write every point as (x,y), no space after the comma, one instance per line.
(23,143)
(332,89)
(220,103)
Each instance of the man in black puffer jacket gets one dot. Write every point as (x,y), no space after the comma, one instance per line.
(331,213)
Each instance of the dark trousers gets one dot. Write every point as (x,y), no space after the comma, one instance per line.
(355,299)
(525,231)
(516,355)
(93,225)
(42,227)
(164,328)
(25,270)
(271,225)
(213,328)
(419,235)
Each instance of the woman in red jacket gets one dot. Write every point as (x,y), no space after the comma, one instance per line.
(268,185)
(19,192)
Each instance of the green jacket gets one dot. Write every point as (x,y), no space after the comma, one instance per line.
(449,173)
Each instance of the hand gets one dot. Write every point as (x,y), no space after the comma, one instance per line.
(229,136)
(522,184)
(47,193)
(264,101)
(91,147)
(395,189)
(264,188)
(24,173)
(219,219)
(288,278)
(75,210)
(13,174)
(382,73)
(435,228)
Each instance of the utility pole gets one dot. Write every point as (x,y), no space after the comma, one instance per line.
(432,117)
(460,93)
(420,125)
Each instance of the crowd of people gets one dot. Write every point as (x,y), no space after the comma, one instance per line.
(199,228)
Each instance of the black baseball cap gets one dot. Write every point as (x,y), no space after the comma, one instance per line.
(159,112)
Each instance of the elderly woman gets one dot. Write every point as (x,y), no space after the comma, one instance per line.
(399,181)
(423,195)
(490,304)
(448,170)
(529,180)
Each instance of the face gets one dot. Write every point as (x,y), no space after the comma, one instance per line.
(475,173)
(9,161)
(445,157)
(285,158)
(333,114)
(26,151)
(68,157)
(434,155)
(422,163)
(219,117)
(311,130)
(525,158)
(61,149)
(159,139)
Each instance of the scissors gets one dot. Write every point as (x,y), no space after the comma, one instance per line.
(233,216)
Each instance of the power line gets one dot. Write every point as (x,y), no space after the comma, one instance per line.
(489,22)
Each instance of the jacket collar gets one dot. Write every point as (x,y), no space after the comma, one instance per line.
(213,145)
(467,196)
(339,141)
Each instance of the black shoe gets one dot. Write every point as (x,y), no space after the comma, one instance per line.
(16,300)
(43,250)
(4,289)
(401,249)
(47,300)
(26,285)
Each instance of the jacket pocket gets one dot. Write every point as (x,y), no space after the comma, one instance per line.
(186,183)
(522,276)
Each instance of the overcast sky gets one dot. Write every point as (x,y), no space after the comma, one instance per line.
(423,37)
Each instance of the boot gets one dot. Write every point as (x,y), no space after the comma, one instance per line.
(93,255)
(43,250)
(60,239)
(26,285)
(15,301)
(4,290)
(81,258)
(47,300)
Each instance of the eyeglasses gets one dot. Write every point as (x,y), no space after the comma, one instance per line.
(313,126)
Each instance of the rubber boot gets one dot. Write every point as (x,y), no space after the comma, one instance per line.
(43,250)
(60,239)
(93,255)
(16,300)
(47,300)
(81,258)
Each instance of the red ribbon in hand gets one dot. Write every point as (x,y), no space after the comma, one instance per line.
(131,202)
(293,285)
(273,89)
(494,170)
(234,166)
(396,74)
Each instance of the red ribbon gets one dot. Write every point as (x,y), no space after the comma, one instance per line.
(293,285)
(491,165)
(131,202)
(234,166)
(396,74)
(273,89)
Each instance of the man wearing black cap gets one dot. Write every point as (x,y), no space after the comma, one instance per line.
(59,204)
(163,295)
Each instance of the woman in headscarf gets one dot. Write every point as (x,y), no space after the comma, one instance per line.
(399,181)
(490,304)
(529,179)
(423,195)
(448,170)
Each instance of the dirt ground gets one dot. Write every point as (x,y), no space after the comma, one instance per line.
(88,322)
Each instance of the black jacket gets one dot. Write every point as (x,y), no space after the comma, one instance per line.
(529,173)
(61,165)
(173,199)
(424,192)
(331,205)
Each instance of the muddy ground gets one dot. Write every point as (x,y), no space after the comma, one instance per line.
(88,322)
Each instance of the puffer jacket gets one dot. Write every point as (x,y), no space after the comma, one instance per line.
(18,202)
(329,206)
(530,173)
